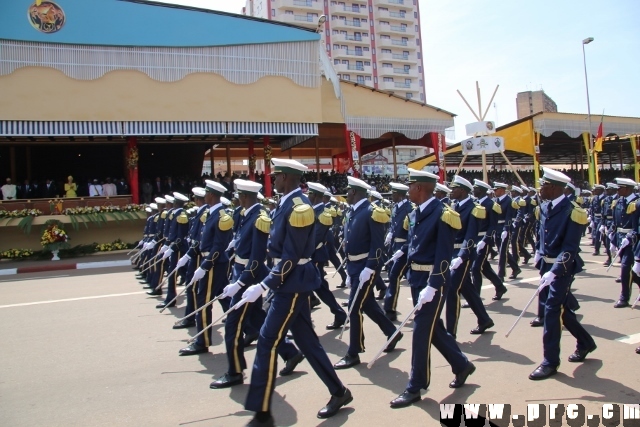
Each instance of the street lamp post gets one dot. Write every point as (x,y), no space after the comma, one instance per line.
(592,168)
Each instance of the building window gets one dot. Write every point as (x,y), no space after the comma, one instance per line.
(409,95)
(387,79)
(387,65)
(360,79)
(367,78)
(366,49)
(273,12)
(415,15)
(419,68)
(386,50)
(422,97)
(367,63)
(346,77)
(336,62)
(336,46)
(419,55)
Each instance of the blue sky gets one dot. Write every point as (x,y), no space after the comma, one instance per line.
(523,46)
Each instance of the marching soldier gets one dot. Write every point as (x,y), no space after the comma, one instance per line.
(376,200)
(624,236)
(175,245)
(249,268)
(561,225)
(607,219)
(193,257)
(595,210)
(487,232)
(333,239)
(364,243)
(149,232)
(324,222)
(442,193)
(528,237)
(158,268)
(465,240)
(432,230)
(506,217)
(292,279)
(395,239)
(211,275)
(519,226)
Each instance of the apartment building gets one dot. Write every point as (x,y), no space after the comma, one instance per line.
(375,43)
(531,102)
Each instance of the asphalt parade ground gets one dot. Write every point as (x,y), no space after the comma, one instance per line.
(89,348)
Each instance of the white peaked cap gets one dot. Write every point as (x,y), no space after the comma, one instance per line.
(198,191)
(181,197)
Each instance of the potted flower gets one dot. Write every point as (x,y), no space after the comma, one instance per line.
(53,239)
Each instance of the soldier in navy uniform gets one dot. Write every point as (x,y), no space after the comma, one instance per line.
(557,256)
(324,222)
(570,192)
(156,273)
(471,215)
(606,225)
(193,257)
(332,240)
(211,275)
(376,200)
(528,237)
(146,237)
(487,233)
(364,244)
(175,246)
(292,279)
(508,211)
(432,230)
(248,269)
(624,236)
(442,193)
(595,212)
(396,237)
(148,246)
(519,226)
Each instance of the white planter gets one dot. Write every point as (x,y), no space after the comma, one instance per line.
(55,256)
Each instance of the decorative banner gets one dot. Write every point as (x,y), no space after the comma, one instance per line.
(46,16)
(483,128)
(486,144)
(354,144)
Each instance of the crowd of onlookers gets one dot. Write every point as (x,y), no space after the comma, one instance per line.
(334,181)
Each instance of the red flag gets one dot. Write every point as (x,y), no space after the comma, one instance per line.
(598,146)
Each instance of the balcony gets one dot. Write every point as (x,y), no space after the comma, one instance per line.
(397,57)
(350,54)
(349,10)
(350,38)
(407,3)
(346,23)
(301,20)
(300,5)
(398,86)
(405,44)
(389,15)
(397,72)
(406,31)
(352,69)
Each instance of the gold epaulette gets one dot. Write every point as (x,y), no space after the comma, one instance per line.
(536,213)
(326,218)
(387,211)
(631,208)
(497,208)
(332,212)
(451,217)
(614,203)
(302,215)
(579,200)
(226,221)
(379,215)
(522,202)
(183,218)
(578,214)
(515,204)
(156,219)
(479,212)
(534,202)
(339,212)
(171,217)
(163,215)
(405,224)
(263,223)
(203,217)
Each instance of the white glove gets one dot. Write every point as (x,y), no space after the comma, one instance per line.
(636,268)
(348,281)
(611,236)
(625,242)
(602,229)
(164,248)
(167,253)
(387,239)
(397,255)
(198,274)
(480,246)
(546,280)
(252,294)
(504,235)
(230,290)
(612,248)
(537,257)
(146,246)
(515,225)
(183,261)
(140,243)
(188,239)
(365,275)
(426,295)
(153,242)
(457,262)
(232,245)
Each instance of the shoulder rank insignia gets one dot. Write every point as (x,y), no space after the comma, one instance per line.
(164,214)
(339,212)
(302,215)
(226,221)
(263,223)
(171,217)
(534,202)
(451,218)
(379,215)
(331,211)
(183,218)
(515,205)
(203,217)
(632,207)
(326,218)
(614,203)
(497,208)
(536,213)
(479,212)
(522,202)
(405,224)
(156,218)
(578,214)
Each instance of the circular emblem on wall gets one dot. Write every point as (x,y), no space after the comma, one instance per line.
(489,126)
(46,16)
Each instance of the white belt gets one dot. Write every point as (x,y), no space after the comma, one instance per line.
(457,246)
(549,260)
(321,244)
(501,221)
(302,261)
(357,257)
(421,267)
(205,253)
(597,215)
(399,240)
(624,230)
(241,261)
(482,233)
